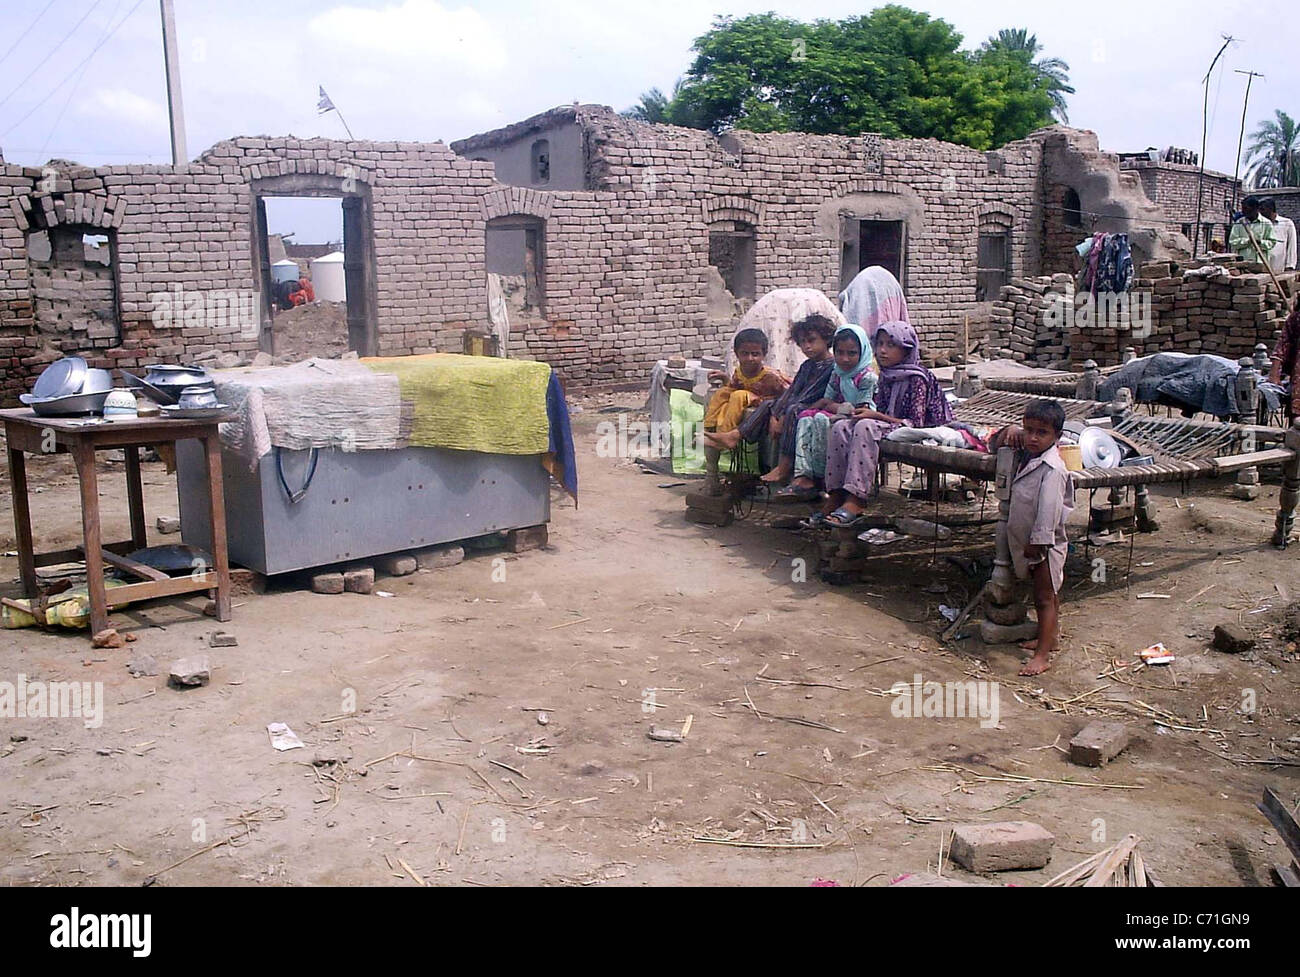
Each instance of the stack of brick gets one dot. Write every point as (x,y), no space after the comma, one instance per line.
(1026,321)
(1225,315)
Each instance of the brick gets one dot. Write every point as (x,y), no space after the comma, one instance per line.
(222,639)
(327,583)
(530,538)
(1232,638)
(396,564)
(438,557)
(190,671)
(1098,743)
(1002,846)
(359,580)
(245,583)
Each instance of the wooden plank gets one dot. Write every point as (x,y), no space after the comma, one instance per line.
(84,457)
(217,517)
(131,566)
(22,520)
(1270,456)
(135,496)
(1106,870)
(77,555)
(149,590)
(1272,808)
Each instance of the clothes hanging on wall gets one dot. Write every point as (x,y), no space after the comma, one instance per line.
(1108,263)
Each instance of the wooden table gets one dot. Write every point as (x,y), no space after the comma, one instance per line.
(82,437)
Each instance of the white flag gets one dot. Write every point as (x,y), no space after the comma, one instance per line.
(324,105)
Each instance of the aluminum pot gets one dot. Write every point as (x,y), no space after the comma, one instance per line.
(203,395)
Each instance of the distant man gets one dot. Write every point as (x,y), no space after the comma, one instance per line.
(1259,227)
(1282,257)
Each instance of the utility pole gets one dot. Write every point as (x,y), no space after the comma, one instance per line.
(174,106)
(1250,77)
(1205,122)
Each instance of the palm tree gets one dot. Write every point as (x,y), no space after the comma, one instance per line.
(1273,156)
(653,107)
(1052,71)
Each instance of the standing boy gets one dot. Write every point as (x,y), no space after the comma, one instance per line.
(1252,234)
(1283,256)
(1042,497)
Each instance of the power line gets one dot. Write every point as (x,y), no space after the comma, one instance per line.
(84,61)
(14,45)
(41,64)
(73,90)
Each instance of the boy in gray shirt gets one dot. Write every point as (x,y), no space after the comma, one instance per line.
(1042,497)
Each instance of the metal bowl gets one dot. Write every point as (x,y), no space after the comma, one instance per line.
(165,375)
(97,382)
(62,378)
(203,395)
(71,406)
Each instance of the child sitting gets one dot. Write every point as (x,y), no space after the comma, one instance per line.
(780,418)
(750,384)
(852,384)
(1042,497)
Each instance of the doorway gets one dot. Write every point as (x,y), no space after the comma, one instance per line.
(309,217)
(872,242)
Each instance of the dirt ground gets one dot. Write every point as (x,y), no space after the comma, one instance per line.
(634,619)
(319,329)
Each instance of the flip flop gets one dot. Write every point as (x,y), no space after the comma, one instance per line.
(816,521)
(841,518)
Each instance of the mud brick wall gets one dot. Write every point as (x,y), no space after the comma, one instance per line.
(625,266)
(74,297)
(1174,187)
(663,187)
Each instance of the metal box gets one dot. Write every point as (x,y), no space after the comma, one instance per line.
(359,503)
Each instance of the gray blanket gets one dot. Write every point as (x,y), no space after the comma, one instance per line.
(1193,383)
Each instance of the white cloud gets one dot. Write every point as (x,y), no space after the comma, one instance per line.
(122,106)
(429,35)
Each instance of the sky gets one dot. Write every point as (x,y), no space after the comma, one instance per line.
(83,79)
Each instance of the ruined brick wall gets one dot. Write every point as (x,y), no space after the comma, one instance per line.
(657,190)
(1174,187)
(192,228)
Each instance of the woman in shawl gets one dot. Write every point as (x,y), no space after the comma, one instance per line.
(874,296)
(852,384)
(908,394)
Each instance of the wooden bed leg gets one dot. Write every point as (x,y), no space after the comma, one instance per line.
(1144,510)
(1290,494)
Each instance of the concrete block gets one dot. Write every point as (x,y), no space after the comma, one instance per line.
(437,557)
(327,583)
(529,538)
(244,582)
(359,580)
(396,564)
(168,524)
(1098,743)
(222,639)
(1002,846)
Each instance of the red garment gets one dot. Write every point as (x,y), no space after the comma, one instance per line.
(1286,358)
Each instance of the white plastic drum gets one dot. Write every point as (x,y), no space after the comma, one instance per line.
(327,278)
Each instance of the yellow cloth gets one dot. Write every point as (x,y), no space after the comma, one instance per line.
(728,404)
(472,403)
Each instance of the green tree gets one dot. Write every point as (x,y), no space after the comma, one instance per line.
(653,107)
(1273,156)
(1054,72)
(894,71)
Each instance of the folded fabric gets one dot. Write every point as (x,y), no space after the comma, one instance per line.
(472,403)
(945,436)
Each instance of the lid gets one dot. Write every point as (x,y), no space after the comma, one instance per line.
(61,378)
(1099,449)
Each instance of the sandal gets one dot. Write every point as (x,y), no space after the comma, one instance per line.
(841,518)
(816,521)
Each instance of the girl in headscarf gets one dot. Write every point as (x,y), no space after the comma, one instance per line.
(852,384)
(908,394)
(874,296)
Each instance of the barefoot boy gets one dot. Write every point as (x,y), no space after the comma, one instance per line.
(1042,497)
(751,384)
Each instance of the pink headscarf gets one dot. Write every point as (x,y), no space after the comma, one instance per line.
(873,297)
